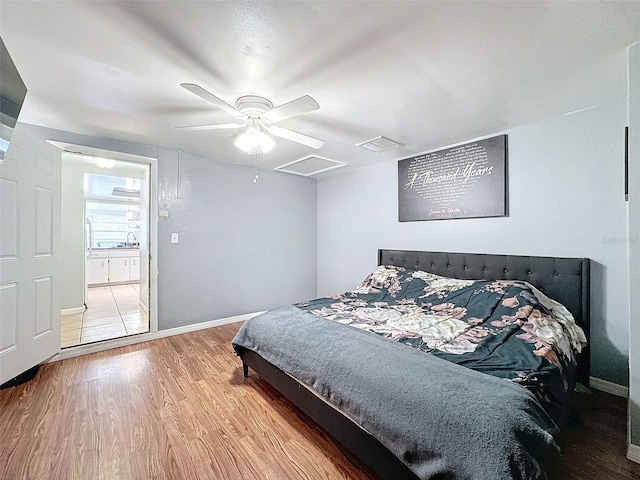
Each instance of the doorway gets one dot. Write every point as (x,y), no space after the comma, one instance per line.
(105,249)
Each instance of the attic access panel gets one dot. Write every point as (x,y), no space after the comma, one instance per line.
(465,181)
(311,165)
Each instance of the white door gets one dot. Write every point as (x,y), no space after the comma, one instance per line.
(30,188)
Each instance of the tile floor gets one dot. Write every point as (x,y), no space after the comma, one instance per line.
(113,311)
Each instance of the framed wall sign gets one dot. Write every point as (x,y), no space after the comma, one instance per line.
(467,181)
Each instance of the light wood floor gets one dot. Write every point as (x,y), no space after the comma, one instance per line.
(179,408)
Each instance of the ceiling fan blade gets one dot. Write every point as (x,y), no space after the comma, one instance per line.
(211,98)
(290,109)
(236,132)
(295,137)
(220,126)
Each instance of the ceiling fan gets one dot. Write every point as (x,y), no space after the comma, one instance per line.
(257,115)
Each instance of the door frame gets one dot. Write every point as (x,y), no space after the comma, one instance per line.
(633,177)
(152,162)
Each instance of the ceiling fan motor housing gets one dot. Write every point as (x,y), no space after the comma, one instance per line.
(253,106)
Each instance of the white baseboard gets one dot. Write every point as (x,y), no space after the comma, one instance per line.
(72,311)
(145,337)
(633,453)
(609,387)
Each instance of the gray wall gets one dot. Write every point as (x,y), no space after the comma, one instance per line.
(566,198)
(634,242)
(243,247)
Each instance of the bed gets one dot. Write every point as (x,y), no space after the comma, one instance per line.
(453,406)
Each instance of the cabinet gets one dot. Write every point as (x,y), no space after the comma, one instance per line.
(134,268)
(113,266)
(97,270)
(124,265)
(119,269)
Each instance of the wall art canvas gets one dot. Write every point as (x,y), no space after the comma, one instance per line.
(466,181)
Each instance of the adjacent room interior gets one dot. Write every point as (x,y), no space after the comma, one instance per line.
(106,300)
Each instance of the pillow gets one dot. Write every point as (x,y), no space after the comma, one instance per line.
(385,277)
(401,282)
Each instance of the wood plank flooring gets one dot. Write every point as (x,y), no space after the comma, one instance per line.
(179,408)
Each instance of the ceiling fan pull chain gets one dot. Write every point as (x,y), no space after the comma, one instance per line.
(255,166)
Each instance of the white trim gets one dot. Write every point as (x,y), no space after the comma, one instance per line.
(152,309)
(152,163)
(145,337)
(72,311)
(609,387)
(142,306)
(337,164)
(633,453)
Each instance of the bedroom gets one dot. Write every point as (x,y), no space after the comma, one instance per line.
(322,235)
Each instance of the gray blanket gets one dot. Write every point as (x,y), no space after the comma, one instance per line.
(440,419)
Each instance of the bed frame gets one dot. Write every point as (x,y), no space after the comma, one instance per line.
(563,279)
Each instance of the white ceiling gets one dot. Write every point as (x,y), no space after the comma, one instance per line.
(427,74)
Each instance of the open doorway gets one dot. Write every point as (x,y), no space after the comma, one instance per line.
(105,223)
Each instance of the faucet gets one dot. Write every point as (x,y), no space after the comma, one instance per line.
(134,238)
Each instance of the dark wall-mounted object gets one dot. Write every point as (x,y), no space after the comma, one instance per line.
(466,181)
(12,94)
(626,163)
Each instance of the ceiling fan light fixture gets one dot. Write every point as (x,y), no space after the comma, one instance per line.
(254,141)
(259,113)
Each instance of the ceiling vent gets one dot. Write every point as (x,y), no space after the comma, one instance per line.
(379,144)
(310,165)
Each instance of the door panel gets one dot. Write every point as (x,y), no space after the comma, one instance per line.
(9,215)
(9,323)
(43,305)
(44,221)
(30,187)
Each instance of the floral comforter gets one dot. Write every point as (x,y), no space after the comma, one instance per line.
(507,329)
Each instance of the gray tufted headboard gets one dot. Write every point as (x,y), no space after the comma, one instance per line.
(565,280)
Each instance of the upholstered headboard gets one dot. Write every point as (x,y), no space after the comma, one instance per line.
(565,280)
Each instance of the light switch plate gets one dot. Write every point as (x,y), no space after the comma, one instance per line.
(174,238)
